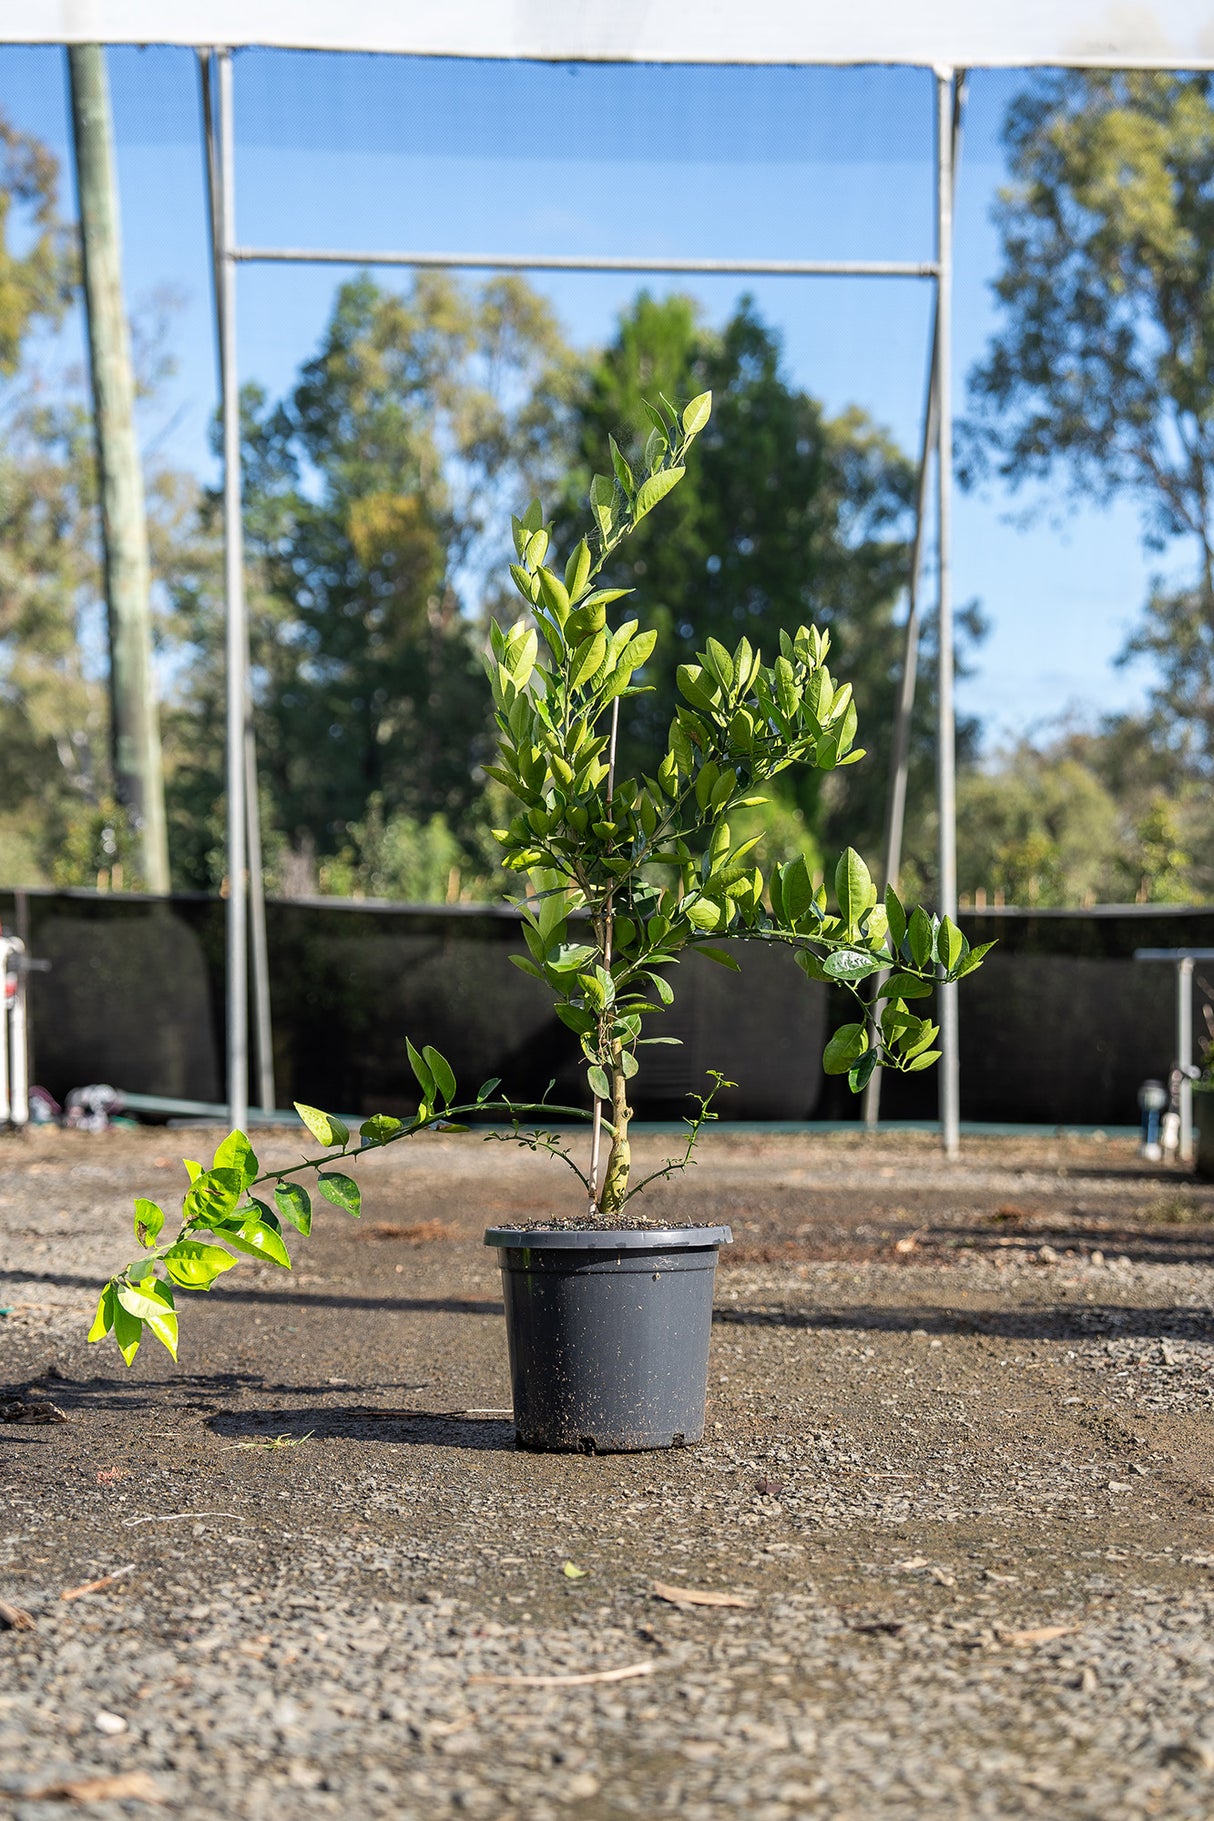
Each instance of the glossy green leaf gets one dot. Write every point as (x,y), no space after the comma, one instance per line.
(907,986)
(920,936)
(341,1190)
(697,414)
(195,1266)
(211,1196)
(486,1088)
(850,964)
(326,1128)
(128,1332)
(236,1153)
(295,1204)
(858,1077)
(149,1218)
(103,1320)
(421,1068)
(853,888)
(152,1304)
(654,489)
(719,956)
(257,1239)
(950,943)
(442,1073)
(600,1087)
(845,1049)
(380,1128)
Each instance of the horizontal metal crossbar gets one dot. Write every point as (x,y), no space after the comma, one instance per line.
(577,262)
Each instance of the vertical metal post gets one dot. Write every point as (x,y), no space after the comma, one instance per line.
(1184,1052)
(260,955)
(236,643)
(946,727)
(895,809)
(18,1079)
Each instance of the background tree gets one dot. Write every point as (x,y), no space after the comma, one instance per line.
(788,516)
(373,494)
(1102,368)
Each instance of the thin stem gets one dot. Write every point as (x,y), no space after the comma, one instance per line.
(596,1131)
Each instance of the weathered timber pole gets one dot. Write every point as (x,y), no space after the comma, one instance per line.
(134,724)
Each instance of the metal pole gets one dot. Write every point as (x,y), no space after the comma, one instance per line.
(587,262)
(946,725)
(899,766)
(1184,1052)
(18,1080)
(260,954)
(236,645)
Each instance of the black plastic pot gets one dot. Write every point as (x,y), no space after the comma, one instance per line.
(608,1332)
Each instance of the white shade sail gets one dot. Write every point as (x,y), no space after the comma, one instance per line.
(969,34)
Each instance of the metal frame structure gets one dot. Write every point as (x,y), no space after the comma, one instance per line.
(941,35)
(229,254)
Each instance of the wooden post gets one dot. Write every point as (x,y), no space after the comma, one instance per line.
(134,726)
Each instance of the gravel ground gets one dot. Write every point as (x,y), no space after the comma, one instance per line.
(958,1466)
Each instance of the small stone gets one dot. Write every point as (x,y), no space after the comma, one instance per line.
(108,1723)
(581,1786)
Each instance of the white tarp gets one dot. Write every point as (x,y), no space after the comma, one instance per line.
(969,34)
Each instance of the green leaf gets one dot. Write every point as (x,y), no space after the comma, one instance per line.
(907,986)
(421,1068)
(257,1239)
(923,1062)
(577,570)
(850,964)
(587,659)
(442,1072)
(193,1170)
(858,1077)
(796,889)
(896,916)
(128,1332)
(195,1266)
(950,943)
(379,1128)
(600,1087)
(486,1088)
(211,1196)
(654,489)
(920,936)
(697,414)
(236,1153)
(623,473)
(845,1049)
(149,1218)
(152,1303)
(295,1204)
(853,888)
(103,1321)
(969,962)
(719,956)
(341,1190)
(326,1128)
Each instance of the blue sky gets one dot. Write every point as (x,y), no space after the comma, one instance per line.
(381,152)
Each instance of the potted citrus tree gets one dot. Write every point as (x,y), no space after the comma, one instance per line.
(607,1317)
(608,1314)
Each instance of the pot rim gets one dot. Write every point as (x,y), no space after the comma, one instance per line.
(609,1239)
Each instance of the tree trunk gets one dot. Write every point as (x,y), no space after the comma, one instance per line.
(134,727)
(619,1163)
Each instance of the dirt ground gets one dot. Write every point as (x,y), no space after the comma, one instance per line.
(959,1465)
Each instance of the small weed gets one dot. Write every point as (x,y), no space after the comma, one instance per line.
(276,1441)
(1176,1209)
